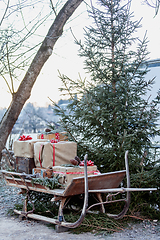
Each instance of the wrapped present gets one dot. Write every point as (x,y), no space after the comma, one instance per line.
(24,153)
(38,153)
(49,154)
(59,136)
(68,173)
(43,172)
(25,148)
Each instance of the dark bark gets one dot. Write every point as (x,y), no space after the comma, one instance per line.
(24,91)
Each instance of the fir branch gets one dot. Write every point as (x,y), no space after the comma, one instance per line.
(68,131)
(99,122)
(51,183)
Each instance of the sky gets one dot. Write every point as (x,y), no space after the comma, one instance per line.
(65,55)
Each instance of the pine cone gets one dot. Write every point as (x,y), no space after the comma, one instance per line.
(47,130)
(74,162)
(78,159)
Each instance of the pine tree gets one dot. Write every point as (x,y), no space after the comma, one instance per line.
(110,112)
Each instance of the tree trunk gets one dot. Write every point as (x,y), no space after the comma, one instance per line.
(24,91)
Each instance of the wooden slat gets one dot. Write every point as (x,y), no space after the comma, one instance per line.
(37,187)
(101,181)
(14,173)
(38,217)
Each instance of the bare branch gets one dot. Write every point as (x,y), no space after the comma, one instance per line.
(10,73)
(4,13)
(53,8)
(6,83)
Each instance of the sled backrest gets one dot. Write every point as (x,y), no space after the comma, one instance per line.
(101,181)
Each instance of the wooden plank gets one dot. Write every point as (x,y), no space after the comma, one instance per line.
(39,217)
(14,173)
(101,181)
(16,182)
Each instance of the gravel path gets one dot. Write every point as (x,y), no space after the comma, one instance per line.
(12,228)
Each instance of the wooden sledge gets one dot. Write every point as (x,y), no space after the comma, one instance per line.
(97,184)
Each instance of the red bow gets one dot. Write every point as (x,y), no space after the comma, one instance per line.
(53,140)
(57,138)
(89,163)
(25,138)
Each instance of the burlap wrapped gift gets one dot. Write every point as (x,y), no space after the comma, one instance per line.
(24,153)
(38,153)
(68,173)
(49,136)
(25,148)
(54,154)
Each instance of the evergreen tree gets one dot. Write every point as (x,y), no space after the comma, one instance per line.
(111,112)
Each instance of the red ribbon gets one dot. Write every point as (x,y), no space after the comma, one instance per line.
(42,136)
(94,172)
(40,155)
(53,154)
(55,141)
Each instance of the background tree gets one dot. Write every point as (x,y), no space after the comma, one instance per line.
(20,96)
(112,112)
(34,120)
